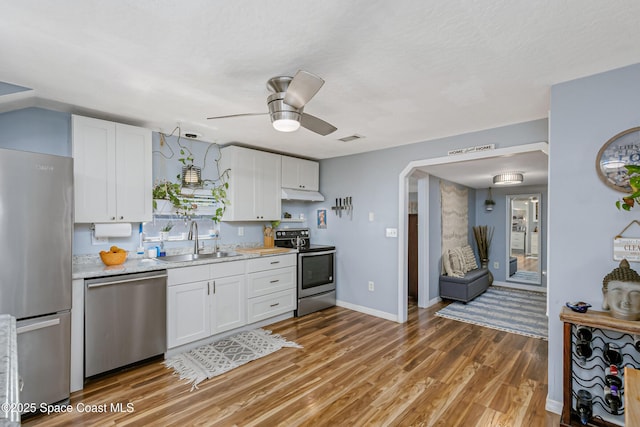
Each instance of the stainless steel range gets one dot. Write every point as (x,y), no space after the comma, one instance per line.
(316,270)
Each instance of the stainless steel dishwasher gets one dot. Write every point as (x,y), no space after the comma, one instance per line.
(124,321)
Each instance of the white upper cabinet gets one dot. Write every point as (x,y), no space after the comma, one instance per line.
(300,174)
(254,184)
(112,171)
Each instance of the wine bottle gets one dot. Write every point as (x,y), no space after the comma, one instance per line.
(584,334)
(612,398)
(612,354)
(584,406)
(611,377)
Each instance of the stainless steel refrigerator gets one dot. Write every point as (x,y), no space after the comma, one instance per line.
(36,225)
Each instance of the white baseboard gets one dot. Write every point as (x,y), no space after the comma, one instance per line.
(553,406)
(367,310)
(433,301)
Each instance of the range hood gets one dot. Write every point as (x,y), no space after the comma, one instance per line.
(308,196)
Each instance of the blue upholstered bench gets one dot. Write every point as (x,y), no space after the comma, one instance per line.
(513,266)
(464,288)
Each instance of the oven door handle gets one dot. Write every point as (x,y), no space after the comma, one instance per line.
(333,251)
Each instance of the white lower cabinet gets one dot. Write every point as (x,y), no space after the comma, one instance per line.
(208,299)
(204,300)
(188,313)
(271,286)
(228,304)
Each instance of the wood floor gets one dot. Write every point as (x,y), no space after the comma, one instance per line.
(354,370)
(527,263)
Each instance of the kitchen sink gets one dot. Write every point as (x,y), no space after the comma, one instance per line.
(195,257)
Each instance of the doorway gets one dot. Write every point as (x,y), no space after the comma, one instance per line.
(427,285)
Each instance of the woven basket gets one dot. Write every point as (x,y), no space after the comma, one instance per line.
(111,258)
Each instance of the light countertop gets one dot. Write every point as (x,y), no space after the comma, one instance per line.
(85,267)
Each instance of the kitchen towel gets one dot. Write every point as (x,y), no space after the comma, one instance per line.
(112,230)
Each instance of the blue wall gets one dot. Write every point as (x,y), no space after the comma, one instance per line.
(36,130)
(582,217)
(499,218)
(364,253)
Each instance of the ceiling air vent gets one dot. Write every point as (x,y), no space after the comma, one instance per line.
(351,138)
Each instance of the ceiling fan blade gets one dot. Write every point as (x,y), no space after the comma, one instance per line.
(237,115)
(316,125)
(302,88)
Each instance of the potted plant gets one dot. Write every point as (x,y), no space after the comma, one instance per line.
(165,196)
(164,231)
(629,201)
(489,203)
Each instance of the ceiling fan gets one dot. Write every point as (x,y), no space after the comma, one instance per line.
(286,104)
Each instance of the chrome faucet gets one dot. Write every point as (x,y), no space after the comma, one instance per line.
(190,237)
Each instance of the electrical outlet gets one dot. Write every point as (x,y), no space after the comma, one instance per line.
(496,265)
(391,232)
(95,241)
(240,231)
(371,286)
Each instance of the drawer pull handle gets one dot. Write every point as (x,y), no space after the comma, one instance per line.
(273,305)
(275,281)
(275,262)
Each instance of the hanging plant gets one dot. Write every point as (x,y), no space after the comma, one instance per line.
(630,200)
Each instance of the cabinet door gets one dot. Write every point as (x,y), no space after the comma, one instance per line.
(94,154)
(309,175)
(254,184)
(188,313)
(228,308)
(300,174)
(133,174)
(268,194)
(290,172)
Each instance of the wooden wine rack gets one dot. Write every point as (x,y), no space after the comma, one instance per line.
(589,373)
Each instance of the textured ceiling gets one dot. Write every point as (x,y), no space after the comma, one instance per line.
(396,72)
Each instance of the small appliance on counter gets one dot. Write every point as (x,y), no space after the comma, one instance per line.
(316,270)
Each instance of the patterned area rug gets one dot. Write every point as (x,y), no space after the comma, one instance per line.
(221,356)
(510,310)
(526,276)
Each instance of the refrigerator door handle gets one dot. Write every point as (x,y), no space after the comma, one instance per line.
(36,326)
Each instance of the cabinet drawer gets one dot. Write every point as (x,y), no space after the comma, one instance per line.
(271,262)
(194,273)
(229,268)
(270,281)
(263,307)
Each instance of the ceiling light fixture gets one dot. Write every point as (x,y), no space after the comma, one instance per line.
(286,125)
(508,178)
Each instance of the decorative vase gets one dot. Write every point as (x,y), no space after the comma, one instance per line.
(164,236)
(484,263)
(269,242)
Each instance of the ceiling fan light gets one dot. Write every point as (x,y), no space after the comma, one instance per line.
(286,125)
(509,178)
